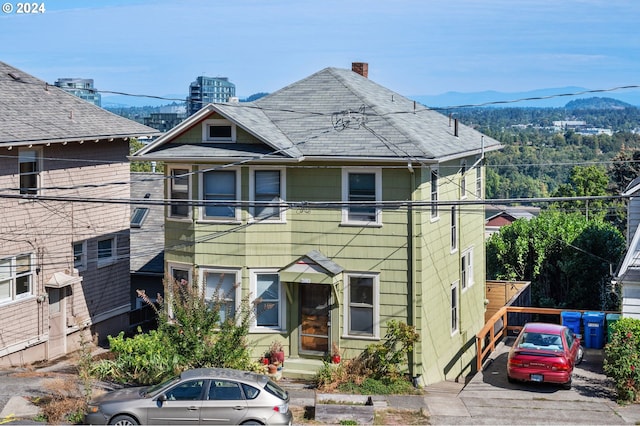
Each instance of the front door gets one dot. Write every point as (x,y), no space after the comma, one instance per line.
(314,318)
(57,344)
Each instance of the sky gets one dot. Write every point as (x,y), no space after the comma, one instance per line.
(414,47)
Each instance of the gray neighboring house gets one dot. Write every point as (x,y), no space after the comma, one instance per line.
(64,243)
(628,274)
(147,240)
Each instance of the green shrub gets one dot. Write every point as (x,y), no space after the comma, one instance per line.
(622,358)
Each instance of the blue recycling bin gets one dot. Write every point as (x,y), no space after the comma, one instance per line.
(594,330)
(571,319)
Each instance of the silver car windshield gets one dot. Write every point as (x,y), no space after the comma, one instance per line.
(276,390)
(151,391)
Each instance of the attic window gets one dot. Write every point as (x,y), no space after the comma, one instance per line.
(218,130)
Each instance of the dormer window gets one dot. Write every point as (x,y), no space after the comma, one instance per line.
(218,130)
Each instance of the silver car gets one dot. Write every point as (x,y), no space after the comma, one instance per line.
(206,396)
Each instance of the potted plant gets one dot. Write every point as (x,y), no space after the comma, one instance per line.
(335,353)
(276,352)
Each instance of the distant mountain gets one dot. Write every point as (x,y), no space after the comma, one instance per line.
(543,98)
(123,101)
(597,103)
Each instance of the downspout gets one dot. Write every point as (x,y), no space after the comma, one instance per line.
(411,263)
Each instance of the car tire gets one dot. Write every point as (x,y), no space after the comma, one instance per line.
(123,420)
(567,386)
(580,355)
(510,379)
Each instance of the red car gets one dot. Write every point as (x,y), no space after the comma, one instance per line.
(544,353)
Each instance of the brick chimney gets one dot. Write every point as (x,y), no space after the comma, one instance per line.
(361,68)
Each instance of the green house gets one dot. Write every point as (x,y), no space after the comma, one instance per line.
(335,205)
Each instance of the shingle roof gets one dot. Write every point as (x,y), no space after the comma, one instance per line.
(33,112)
(337,113)
(147,242)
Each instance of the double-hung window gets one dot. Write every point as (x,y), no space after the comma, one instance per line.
(30,165)
(454,229)
(80,255)
(361,190)
(221,292)
(361,305)
(455,305)
(463,179)
(107,251)
(478,181)
(179,193)
(269,306)
(466,269)
(267,192)
(16,277)
(219,192)
(434,193)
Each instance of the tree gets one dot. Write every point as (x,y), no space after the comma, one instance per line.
(566,257)
(584,181)
(142,166)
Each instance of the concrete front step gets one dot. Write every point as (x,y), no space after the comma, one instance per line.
(301,368)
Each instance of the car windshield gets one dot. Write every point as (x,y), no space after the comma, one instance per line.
(533,340)
(276,390)
(151,391)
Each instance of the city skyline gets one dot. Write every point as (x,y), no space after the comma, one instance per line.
(413,47)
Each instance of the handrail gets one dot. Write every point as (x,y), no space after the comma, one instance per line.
(489,329)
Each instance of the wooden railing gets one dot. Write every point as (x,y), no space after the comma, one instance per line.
(497,326)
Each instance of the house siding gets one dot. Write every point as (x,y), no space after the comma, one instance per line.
(48,229)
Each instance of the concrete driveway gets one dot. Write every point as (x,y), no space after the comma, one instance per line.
(490,399)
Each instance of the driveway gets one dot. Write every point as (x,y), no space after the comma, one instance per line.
(490,399)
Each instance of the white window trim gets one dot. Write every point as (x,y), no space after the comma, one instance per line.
(468,255)
(83,265)
(169,275)
(13,276)
(253,285)
(170,198)
(204,270)
(454,229)
(456,329)
(237,211)
(376,306)
(478,180)
(218,122)
(345,196)
(101,263)
(434,169)
(463,179)
(39,160)
(282,217)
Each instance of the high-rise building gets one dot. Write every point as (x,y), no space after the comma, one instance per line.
(207,90)
(80,87)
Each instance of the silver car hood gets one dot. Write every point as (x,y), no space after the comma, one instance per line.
(125,394)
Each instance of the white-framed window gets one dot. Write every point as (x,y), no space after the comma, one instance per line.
(479,180)
(454,229)
(179,193)
(269,302)
(107,251)
(80,255)
(30,165)
(361,189)
(222,290)
(220,189)
(267,191)
(180,273)
(466,269)
(463,179)
(455,308)
(361,304)
(16,277)
(434,192)
(218,130)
